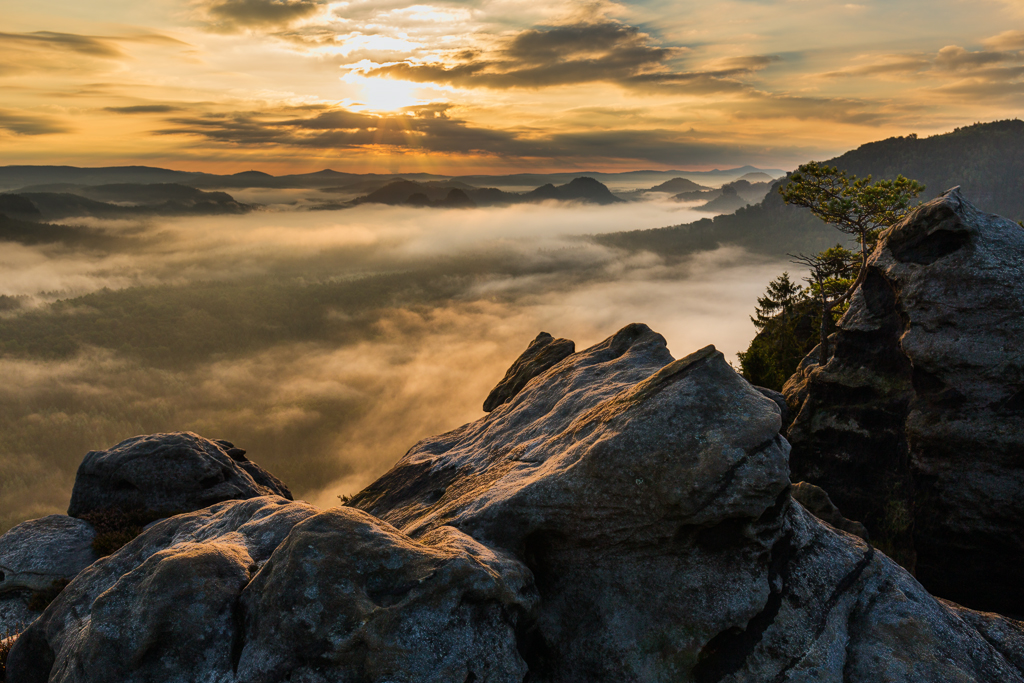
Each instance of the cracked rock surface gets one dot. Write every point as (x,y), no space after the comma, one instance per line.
(624,517)
(914,426)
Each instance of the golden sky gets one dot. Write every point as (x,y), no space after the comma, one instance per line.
(453,86)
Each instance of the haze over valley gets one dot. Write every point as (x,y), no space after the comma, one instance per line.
(325,342)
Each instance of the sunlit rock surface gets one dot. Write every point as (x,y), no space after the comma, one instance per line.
(623,517)
(915,426)
(542,353)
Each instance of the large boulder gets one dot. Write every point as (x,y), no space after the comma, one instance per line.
(164,607)
(624,517)
(166,474)
(650,498)
(37,559)
(348,595)
(268,590)
(914,426)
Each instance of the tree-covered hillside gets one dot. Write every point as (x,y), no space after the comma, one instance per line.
(986,160)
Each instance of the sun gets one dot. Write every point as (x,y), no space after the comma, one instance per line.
(385,94)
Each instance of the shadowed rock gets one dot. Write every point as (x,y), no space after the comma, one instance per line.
(914,424)
(542,353)
(167,473)
(816,501)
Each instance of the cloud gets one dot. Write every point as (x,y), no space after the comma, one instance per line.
(242,14)
(1007,40)
(30,124)
(432,128)
(607,52)
(54,51)
(366,331)
(956,58)
(92,46)
(144,109)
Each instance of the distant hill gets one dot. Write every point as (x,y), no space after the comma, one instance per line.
(757,177)
(727,201)
(677,185)
(578,189)
(986,160)
(135,193)
(460,194)
(131,200)
(21,177)
(32,232)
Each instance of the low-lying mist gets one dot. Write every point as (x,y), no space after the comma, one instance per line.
(326,343)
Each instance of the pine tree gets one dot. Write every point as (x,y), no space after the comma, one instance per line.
(779,299)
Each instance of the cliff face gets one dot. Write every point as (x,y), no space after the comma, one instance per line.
(623,516)
(915,426)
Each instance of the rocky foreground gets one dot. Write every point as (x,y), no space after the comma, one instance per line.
(623,517)
(618,515)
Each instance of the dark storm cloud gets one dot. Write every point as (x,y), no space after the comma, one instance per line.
(235,14)
(579,53)
(144,109)
(29,124)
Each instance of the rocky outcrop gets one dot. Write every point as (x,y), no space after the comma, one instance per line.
(542,353)
(649,497)
(815,500)
(167,474)
(914,424)
(36,553)
(269,590)
(37,559)
(164,607)
(623,517)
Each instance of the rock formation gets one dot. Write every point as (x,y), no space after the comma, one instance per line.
(623,517)
(38,558)
(542,353)
(168,474)
(914,426)
(815,500)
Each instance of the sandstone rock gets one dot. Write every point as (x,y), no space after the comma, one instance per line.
(164,607)
(816,501)
(346,595)
(36,553)
(167,474)
(349,597)
(625,517)
(779,400)
(37,558)
(258,474)
(650,499)
(914,424)
(542,353)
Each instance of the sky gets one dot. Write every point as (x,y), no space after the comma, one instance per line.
(477,86)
